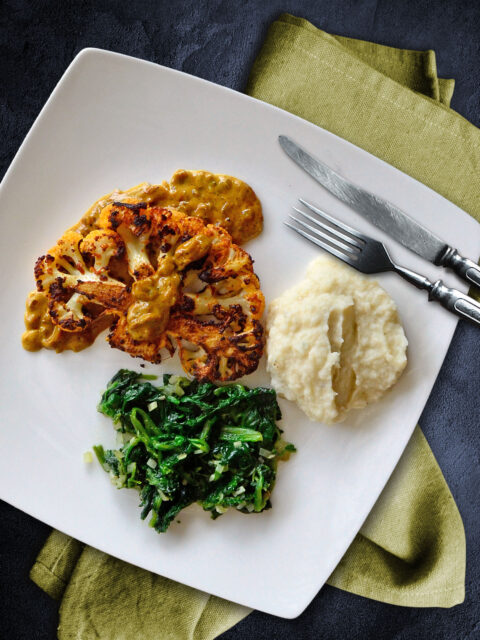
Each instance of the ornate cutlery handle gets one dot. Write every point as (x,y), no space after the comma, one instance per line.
(452,299)
(456,301)
(465,268)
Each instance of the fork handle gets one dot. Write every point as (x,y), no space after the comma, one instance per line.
(455,301)
(452,299)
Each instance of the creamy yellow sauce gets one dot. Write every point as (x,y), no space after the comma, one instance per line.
(154,194)
(218,199)
(192,250)
(147,318)
(215,198)
(40,332)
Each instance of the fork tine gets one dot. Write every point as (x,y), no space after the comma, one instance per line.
(332,240)
(342,256)
(331,230)
(341,226)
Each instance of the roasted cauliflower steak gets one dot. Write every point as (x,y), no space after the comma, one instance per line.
(164,280)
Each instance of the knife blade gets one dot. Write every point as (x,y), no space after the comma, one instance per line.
(385,215)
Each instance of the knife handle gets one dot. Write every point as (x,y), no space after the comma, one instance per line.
(455,301)
(465,268)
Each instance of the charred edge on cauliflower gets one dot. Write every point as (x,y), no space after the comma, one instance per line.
(133,206)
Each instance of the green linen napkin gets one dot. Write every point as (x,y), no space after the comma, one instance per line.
(411,549)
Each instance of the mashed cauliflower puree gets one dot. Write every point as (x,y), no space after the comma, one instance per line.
(334,341)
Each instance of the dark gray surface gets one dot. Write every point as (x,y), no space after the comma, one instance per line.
(218,40)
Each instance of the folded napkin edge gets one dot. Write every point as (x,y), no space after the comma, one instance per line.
(312,35)
(429,598)
(46,580)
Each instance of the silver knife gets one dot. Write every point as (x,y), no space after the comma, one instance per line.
(384,215)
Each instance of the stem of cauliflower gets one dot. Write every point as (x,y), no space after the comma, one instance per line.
(136,246)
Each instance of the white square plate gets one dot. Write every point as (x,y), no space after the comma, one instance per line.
(114,121)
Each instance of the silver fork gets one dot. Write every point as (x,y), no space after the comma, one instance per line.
(370,256)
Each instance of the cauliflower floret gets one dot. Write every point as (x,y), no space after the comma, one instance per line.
(101,246)
(218,331)
(134,224)
(72,285)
